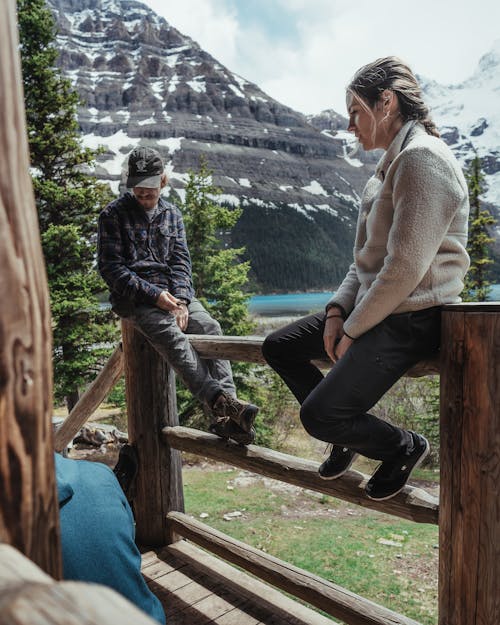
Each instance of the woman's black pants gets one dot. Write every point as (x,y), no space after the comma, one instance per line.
(335,408)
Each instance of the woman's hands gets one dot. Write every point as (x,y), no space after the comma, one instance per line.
(335,341)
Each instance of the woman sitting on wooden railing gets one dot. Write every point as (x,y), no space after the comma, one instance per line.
(409,259)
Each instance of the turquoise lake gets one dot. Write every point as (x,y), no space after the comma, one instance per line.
(303,303)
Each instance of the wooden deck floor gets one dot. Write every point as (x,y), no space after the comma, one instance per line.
(196,588)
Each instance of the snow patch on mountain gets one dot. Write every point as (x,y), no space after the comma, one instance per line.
(468,117)
(314,188)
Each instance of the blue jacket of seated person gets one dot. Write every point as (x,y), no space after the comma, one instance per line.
(97,533)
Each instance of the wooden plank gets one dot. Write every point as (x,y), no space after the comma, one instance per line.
(147,558)
(95,394)
(237,616)
(322,594)
(151,405)
(249,349)
(51,604)
(185,597)
(28,502)
(260,595)
(207,609)
(15,569)
(28,596)
(176,578)
(214,606)
(412,503)
(469,592)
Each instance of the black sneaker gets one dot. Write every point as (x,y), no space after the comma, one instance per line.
(338,462)
(392,475)
(227,429)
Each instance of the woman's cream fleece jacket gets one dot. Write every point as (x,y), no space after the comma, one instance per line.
(411,236)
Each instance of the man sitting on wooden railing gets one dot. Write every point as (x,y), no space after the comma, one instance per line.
(144,259)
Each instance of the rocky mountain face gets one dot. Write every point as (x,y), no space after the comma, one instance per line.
(142,82)
(468,116)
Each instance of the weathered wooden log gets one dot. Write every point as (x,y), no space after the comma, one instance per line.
(28,596)
(412,503)
(249,349)
(28,502)
(93,397)
(151,405)
(469,563)
(335,600)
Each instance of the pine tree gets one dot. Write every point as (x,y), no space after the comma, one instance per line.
(68,200)
(219,277)
(477,286)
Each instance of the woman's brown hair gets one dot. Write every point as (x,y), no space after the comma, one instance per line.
(393,74)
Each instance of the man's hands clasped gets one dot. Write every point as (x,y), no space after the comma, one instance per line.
(178,308)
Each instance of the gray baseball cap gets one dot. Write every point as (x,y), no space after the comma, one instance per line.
(145,168)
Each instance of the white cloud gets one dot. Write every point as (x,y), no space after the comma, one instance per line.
(209,22)
(333,38)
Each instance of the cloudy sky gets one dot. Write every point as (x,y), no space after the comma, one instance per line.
(303,52)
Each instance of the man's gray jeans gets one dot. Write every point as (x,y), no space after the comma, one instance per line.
(204,378)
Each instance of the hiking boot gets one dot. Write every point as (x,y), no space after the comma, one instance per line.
(126,469)
(338,462)
(392,475)
(241,412)
(225,428)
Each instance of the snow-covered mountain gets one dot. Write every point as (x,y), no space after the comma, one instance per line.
(468,116)
(143,82)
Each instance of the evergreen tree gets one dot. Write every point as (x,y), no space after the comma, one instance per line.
(219,277)
(68,200)
(477,286)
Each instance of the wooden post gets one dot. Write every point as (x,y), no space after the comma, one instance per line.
(151,405)
(28,502)
(469,520)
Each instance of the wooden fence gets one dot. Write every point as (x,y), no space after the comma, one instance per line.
(470,458)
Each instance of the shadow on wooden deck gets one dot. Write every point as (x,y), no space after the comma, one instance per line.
(196,588)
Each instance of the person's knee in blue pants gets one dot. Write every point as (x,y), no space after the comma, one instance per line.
(97,533)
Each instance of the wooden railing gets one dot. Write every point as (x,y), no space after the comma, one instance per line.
(469,529)
(470,444)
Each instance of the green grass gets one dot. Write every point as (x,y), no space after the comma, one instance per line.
(390,561)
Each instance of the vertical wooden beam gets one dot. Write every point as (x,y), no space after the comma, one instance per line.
(152,405)
(469,520)
(28,502)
